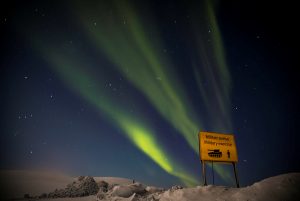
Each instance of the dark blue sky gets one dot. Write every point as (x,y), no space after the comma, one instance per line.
(47,122)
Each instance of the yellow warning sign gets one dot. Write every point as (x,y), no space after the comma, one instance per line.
(217,147)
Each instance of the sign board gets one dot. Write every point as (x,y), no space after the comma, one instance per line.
(217,147)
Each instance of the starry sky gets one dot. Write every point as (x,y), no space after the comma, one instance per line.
(122,88)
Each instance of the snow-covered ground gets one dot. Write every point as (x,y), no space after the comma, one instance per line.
(279,188)
(284,187)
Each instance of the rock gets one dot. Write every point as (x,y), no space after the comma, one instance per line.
(89,186)
(138,188)
(101,195)
(111,186)
(174,188)
(103,186)
(153,197)
(80,178)
(102,189)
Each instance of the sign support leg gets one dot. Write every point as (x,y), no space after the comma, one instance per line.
(235,175)
(213,176)
(203,173)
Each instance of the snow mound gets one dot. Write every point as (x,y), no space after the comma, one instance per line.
(280,188)
(128,190)
(153,189)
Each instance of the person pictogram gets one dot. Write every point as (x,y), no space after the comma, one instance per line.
(228,153)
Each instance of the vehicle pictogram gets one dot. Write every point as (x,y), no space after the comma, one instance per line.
(215,153)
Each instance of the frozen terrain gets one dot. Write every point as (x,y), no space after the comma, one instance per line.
(14,184)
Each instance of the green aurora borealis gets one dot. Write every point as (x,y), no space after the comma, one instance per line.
(131,41)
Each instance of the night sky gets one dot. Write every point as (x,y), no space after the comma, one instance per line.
(122,88)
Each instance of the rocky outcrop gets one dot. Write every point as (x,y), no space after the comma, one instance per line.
(83,186)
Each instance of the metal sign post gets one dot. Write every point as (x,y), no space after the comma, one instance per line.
(212,169)
(204,173)
(235,175)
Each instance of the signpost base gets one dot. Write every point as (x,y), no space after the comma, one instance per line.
(204,174)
